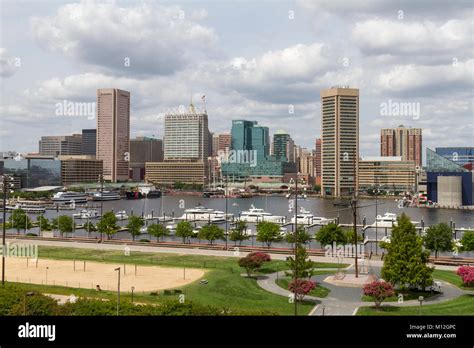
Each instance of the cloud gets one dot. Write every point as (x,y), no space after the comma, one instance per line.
(8,64)
(139,39)
(382,36)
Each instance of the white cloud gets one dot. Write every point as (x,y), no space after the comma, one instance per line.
(8,64)
(141,39)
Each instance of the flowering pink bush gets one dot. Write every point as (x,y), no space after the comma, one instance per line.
(467,274)
(301,287)
(379,291)
(259,256)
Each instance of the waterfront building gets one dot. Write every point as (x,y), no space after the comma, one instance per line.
(340,140)
(113,133)
(402,141)
(80,169)
(186,150)
(390,173)
(462,155)
(89,142)
(142,150)
(317,161)
(34,171)
(448,183)
(60,145)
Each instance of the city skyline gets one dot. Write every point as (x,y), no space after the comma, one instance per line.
(275,79)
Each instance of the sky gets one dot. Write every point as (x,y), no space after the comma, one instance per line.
(265,61)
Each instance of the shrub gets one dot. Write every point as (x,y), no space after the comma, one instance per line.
(301,287)
(467,274)
(379,291)
(259,256)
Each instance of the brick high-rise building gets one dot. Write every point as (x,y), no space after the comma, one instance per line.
(60,145)
(317,161)
(340,140)
(113,133)
(403,142)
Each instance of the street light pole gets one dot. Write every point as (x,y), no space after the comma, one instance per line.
(6,181)
(226,222)
(133,288)
(118,291)
(296,243)
(101,178)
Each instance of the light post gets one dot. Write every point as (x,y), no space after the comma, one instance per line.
(6,181)
(118,291)
(421,299)
(133,288)
(101,179)
(30,293)
(225,196)
(46,275)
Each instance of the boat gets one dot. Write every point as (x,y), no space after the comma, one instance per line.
(121,215)
(387,220)
(201,213)
(105,196)
(300,197)
(305,217)
(26,207)
(143,191)
(86,214)
(341,204)
(69,197)
(258,214)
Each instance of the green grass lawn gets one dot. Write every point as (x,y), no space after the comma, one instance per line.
(226,288)
(451,277)
(463,305)
(407,296)
(318,291)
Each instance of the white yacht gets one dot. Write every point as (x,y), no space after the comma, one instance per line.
(306,218)
(121,215)
(69,197)
(86,214)
(201,213)
(387,220)
(258,214)
(105,196)
(26,207)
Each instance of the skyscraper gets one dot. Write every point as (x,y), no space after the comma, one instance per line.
(403,142)
(283,146)
(248,135)
(317,161)
(89,142)
(186,136)
(113,133)
(340,140)
(143,150)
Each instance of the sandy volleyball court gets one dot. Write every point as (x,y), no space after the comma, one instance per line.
(61,272)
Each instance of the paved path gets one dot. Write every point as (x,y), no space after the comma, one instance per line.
(346,300)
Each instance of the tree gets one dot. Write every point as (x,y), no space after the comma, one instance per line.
(158,230)
(302,264)
(238,233)
(184,229)
(329,234)
(20,220)
(301,287)
(350,237)
(64,224)
(250,264)
(303,236)
(379,291)
(211,233)
(406,262)
(43,223)
(108,224)
(467,241)
(135,223)
(259,256)
(268,232)
(439,238)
